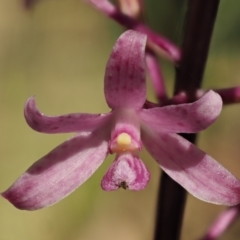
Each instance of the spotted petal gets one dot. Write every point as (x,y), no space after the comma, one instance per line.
(125,85)
(59,173)
(192,168)
(184,118)
(127,171)
(75,122)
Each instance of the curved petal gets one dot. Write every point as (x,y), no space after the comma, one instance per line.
(127,171)
(59,173)
(193,169)
(74,122)
(184,118)
(125,85)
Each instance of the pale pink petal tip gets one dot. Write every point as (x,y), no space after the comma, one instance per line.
(209,106)
(74,122)
(128,172)
(125,85)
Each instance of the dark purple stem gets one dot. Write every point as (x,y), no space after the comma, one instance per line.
(200,21)
(228,95)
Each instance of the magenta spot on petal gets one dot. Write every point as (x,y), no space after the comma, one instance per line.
(113,55)
(164,138)
(199,122)
(184,111)
(138,45)
(180,124)
(38,114)
(28,187)
(63,146)
(35,123)
(50,155)
(126,63)
(12,196)
(119,42)
(36,169)
(177,150)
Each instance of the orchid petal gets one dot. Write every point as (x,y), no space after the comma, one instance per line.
(125,85)
(75,122)
(127,171)
(58,173)
(193,169)
(184,118)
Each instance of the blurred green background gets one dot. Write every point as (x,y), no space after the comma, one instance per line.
(58,52)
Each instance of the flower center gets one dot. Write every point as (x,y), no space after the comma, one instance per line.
(124,143)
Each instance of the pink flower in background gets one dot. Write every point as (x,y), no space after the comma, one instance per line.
(29,3)
(156,42)
(123,131)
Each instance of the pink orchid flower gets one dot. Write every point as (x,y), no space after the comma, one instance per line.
(122,131)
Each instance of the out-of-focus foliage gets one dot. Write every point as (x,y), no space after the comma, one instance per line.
(167,16)
(58,52)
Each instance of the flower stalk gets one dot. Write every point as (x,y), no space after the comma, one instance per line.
(156,75)
(229,96)
(155,41)
(200,21)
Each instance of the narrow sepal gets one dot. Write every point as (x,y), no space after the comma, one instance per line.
(125,85)
(184,118)
(74,122)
